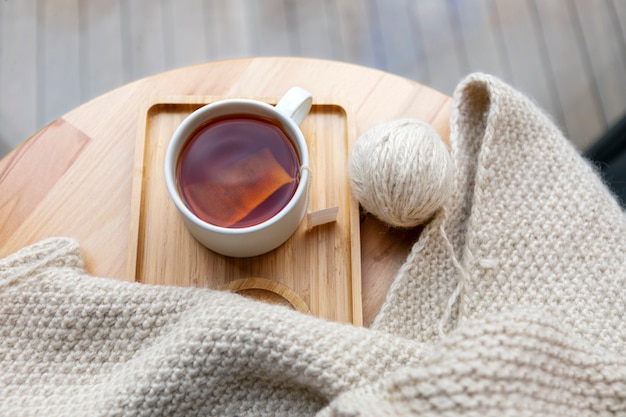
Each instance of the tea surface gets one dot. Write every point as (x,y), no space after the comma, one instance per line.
(238,171)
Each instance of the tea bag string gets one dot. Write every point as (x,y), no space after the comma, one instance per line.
(310,171)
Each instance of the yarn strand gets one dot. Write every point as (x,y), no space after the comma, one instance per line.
(463,279)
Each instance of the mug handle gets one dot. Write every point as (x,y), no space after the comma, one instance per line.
(295,104)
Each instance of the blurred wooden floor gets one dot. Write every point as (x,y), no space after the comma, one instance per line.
(568,55)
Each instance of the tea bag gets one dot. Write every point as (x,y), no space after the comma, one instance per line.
(238,189)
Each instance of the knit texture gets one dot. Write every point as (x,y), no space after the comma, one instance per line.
(512,302)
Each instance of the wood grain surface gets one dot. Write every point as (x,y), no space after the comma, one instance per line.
(75,177)
(321,265)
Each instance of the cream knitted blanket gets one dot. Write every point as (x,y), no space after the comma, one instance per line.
(529,320)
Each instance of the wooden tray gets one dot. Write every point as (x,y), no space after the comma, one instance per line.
(321,266)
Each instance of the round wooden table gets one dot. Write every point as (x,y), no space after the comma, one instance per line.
(75,176)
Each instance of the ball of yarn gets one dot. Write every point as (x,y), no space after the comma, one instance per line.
(401,172)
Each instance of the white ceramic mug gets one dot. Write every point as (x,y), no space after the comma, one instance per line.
(254,240)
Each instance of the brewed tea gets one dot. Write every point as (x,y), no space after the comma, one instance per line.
(238,171)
